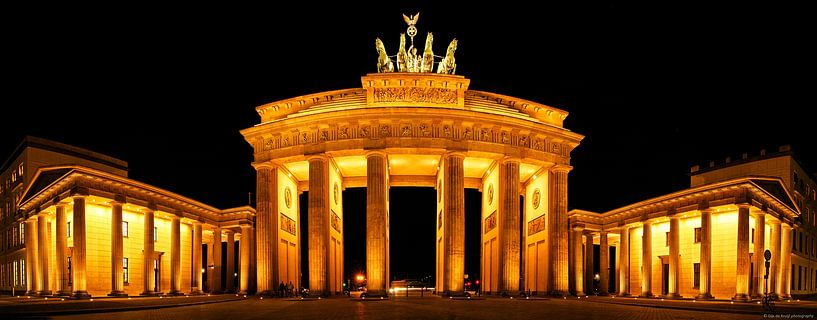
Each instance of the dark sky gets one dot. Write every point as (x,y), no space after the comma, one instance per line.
(654,88)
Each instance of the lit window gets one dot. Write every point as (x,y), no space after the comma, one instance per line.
(752,236)
(69,229)
(70,277)
(155,234)
(16,273)
(22,233)
(125,230)
(20,170)
(666,240)
(22,272)
(125,269)
(697,235)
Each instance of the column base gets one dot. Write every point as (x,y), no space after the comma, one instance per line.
(149,294)
(647,294)
(117,294)
(265,293)
(785,297)
(175,293)
(32,293)
(45,293)
(557,293)
(64,293)
(196,292)
(580,294)
(741,297)
(81,295)
(625,294)
(673,296)
(704,296)
(604,293)
(774,296)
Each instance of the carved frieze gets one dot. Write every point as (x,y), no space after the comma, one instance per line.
(415,95)
(335,221)
(490,222)
(288,225)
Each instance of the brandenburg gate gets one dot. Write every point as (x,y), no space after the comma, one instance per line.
(411,126)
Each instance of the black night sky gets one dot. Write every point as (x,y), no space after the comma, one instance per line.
(655,89)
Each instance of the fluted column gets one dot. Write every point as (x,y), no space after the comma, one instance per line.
(742,275)
(149,278)
(509,227)
(646,260)
(78,266)
(117,255)
(588,263)
(195,283)
(774,264)
(175,256)
(230,261)
(32,257)
(705,287)
(784,283)
(217,266)
(318,225)
(44,253)
(559,248)
(244,247)
(454,211)
(578,261)
(266,229)
(624,263)
(377,189)
(674,254)
(604,264)
(61,266)
(759,287)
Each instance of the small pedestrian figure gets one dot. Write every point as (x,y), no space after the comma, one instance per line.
(290,289)
(281,289)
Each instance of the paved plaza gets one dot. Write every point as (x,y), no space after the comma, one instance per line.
(423,308)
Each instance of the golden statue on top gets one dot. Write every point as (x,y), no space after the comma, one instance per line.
(408,60)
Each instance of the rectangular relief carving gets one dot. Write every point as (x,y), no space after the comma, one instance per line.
(490,222)
(536,225)
(288,224)
(335,221)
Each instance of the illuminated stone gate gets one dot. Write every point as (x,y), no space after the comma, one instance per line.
(413,129)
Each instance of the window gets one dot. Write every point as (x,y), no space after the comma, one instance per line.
(800,248)
(125,269)
(793,240)
(125,230)
(22,233)
(666,240)
(752,236)
(155,234)
(792,276)
(799,277)
(696,282)
(16,274)
(22,272)
(697,235)
(70,276)
(69,229)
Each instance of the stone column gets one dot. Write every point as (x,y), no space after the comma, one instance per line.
(509,227)
(117,255)
(624,263)
(147,254)
(230,261)
(774,264)
(604,264)
(705,287)
(217,266)
(62,252)
(78,254)
(377,189)
(784,283)
(266,229)
(646,260)
(759,287)
(32,257)
(195,283)
(175,256)
(44,252)
(674,254)
(318,225)
(244,247)
(578,262)
(742,278)
(559,248)
(589,276)
(454,211)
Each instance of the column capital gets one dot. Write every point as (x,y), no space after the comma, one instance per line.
(785,225)
(317,156)
(43,214)
(263,165)
(375,152)
(603,232)
(744,205)
(509,159)
(61,204)
(646,222)
(578,227)
(757,213)
(561,168)
(773,221)
(455,154)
